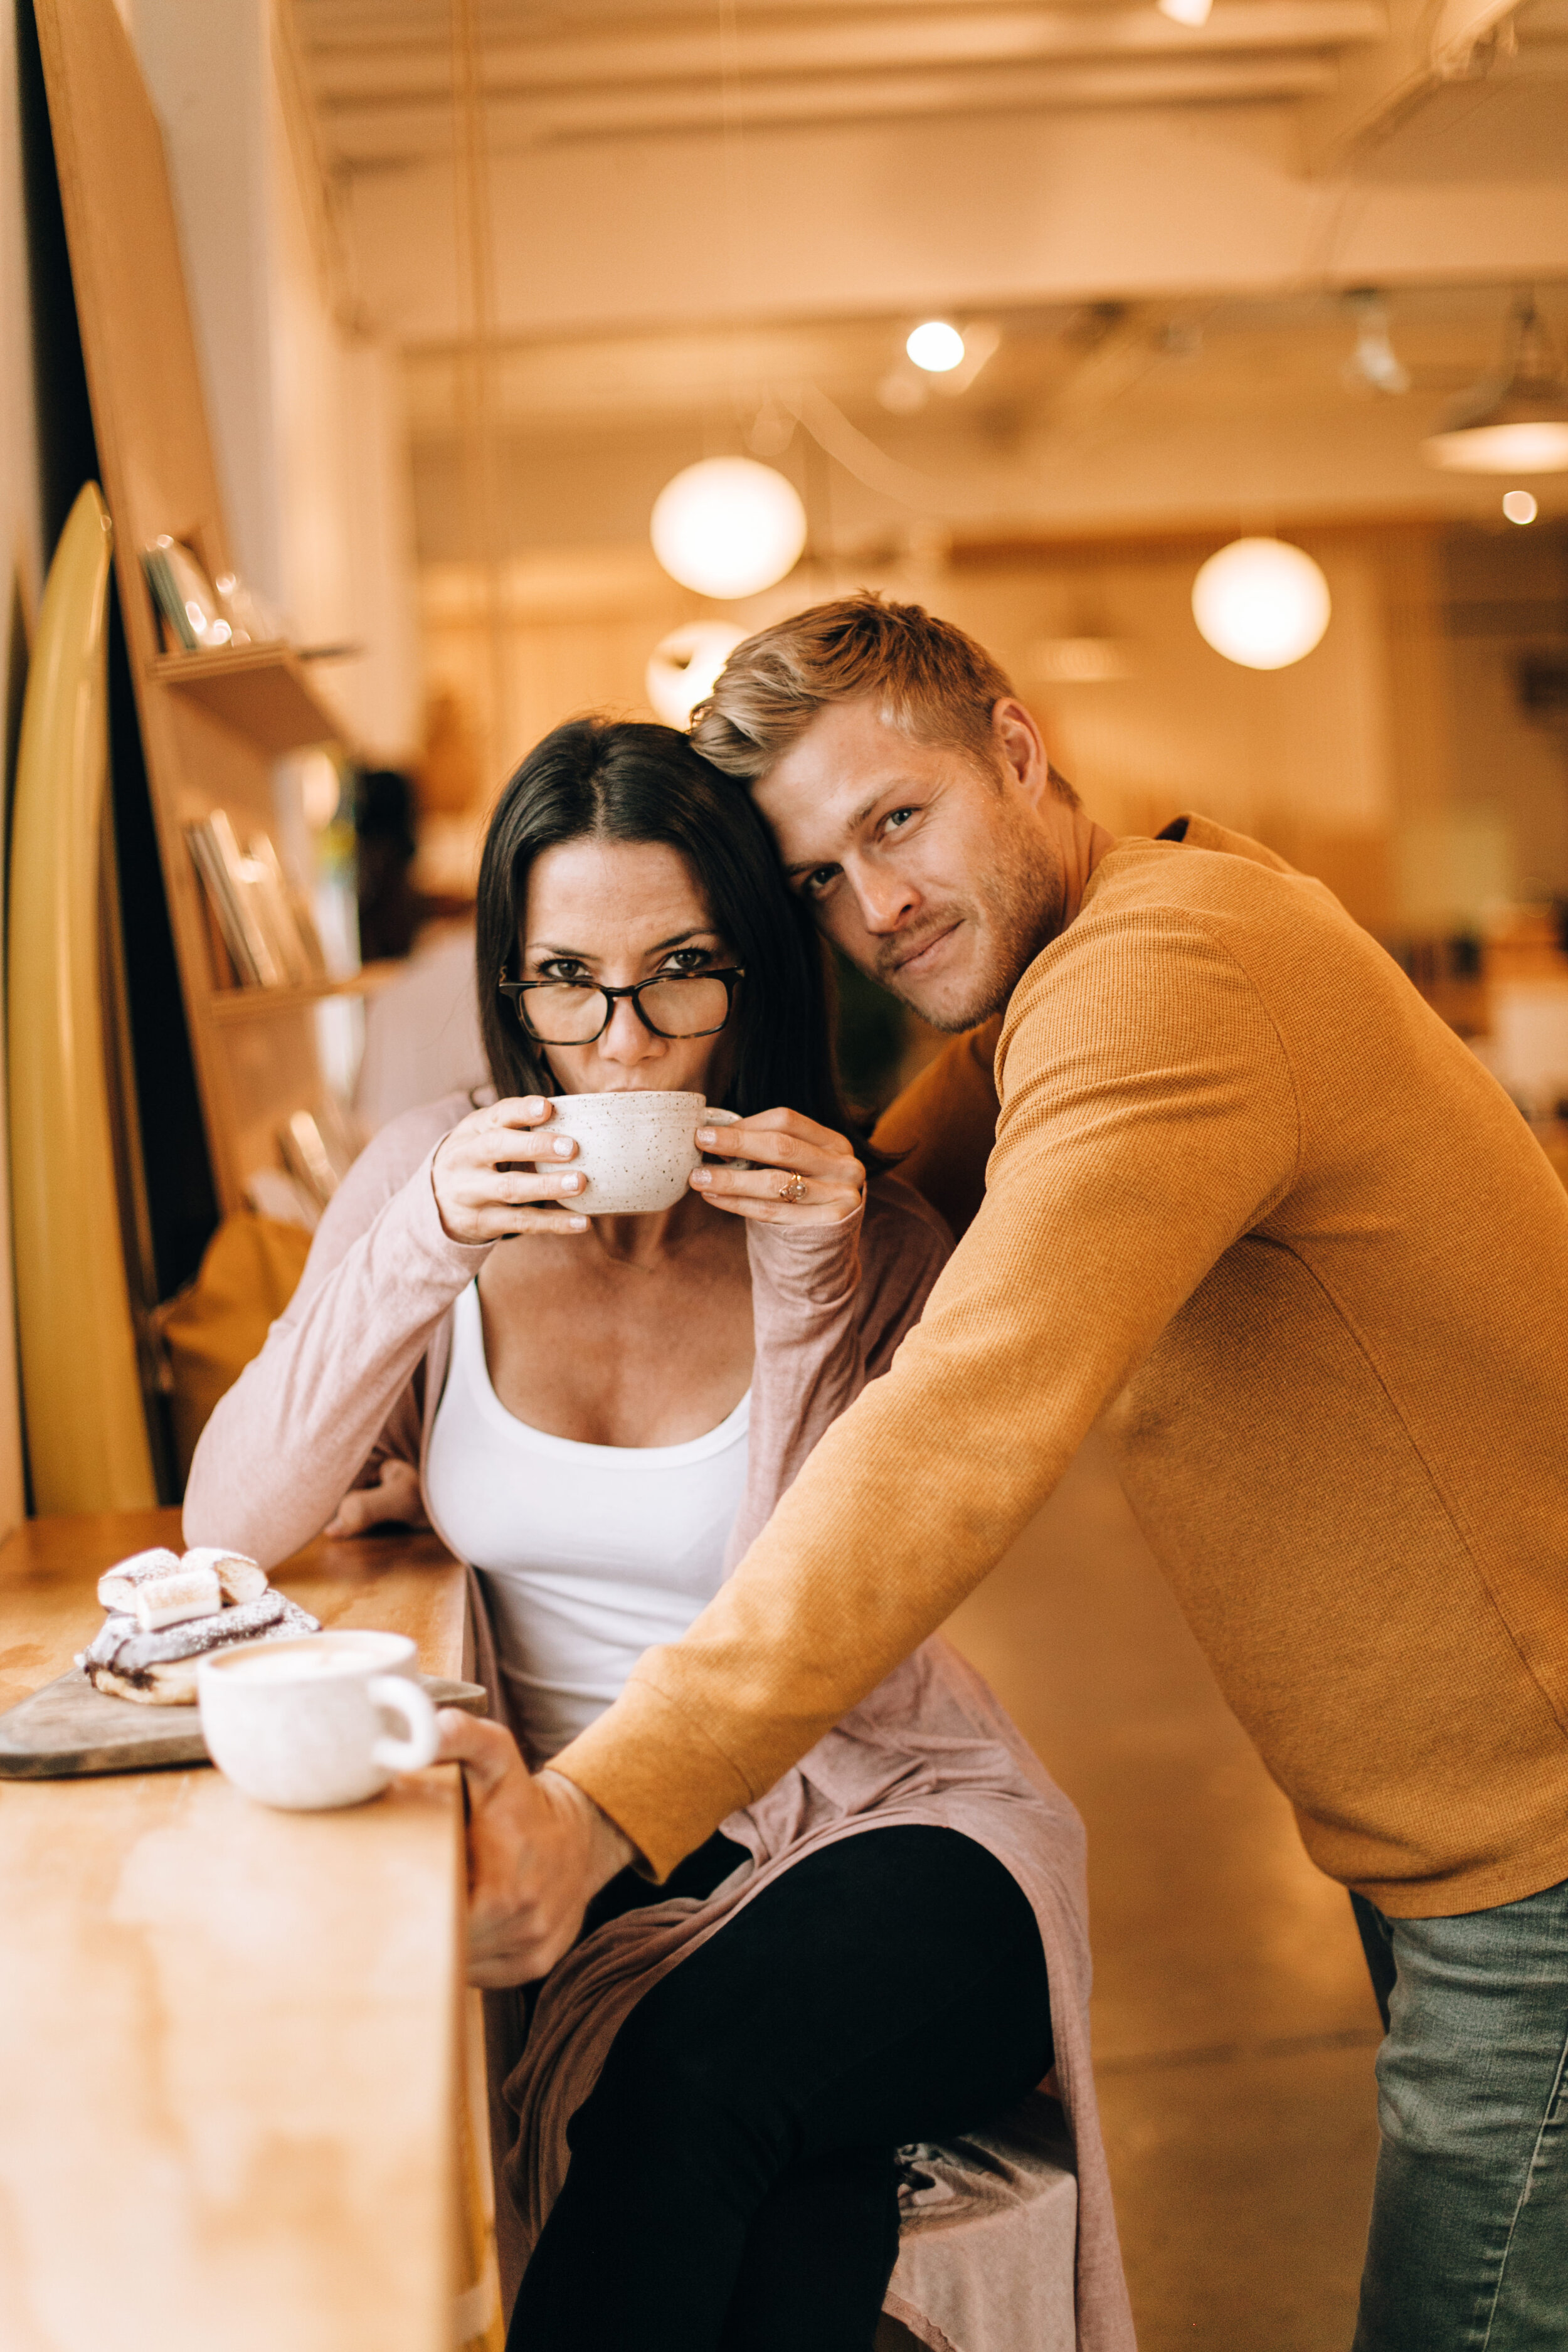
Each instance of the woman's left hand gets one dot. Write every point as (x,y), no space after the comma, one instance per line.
(801,1174)
(394,1497)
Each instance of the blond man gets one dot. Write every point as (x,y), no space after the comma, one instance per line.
(1255,1205)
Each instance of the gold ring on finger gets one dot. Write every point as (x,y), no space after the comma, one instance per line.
(793,1189)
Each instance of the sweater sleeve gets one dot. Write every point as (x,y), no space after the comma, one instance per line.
(943,1125)
(291,1436)
(1148,1121)
(830,1303)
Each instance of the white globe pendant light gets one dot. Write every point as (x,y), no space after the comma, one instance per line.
(682,668)
(1261,603)
(728,526)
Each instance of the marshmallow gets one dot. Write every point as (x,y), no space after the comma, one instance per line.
(237,1572)
(118,1585)
(175,1598)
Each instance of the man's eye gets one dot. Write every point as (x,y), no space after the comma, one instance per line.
(814,883)
(895,818)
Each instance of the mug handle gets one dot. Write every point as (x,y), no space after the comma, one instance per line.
(408,1700)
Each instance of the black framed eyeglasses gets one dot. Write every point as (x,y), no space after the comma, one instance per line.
(673,1004)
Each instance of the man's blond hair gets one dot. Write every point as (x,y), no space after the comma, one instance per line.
(926,676)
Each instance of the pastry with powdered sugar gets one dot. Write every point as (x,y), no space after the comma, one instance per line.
(158,1669)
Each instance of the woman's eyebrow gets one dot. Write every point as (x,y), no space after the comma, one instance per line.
(696,932)
(586,955)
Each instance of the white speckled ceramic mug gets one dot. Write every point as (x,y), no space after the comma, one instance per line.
(302,1724)
(636,1146)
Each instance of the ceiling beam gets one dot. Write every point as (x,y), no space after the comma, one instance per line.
(325,29)
(407,75)
(517,124)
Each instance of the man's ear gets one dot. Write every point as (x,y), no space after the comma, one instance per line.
(1021,748)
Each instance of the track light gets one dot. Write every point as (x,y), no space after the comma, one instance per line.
(1373,362)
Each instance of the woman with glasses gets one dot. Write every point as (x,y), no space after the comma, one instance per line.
(597,1414)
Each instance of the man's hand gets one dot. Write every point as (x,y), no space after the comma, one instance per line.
(537,1849)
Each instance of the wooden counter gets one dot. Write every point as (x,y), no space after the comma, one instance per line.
(230,2039)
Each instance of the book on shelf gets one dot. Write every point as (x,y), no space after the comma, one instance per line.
(186,600)
(226,971)
(264,924)
(225,900)
(200,614)
(286,912)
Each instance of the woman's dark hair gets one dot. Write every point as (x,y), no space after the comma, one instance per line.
(622,780)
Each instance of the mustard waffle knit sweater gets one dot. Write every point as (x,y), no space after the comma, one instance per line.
(1252,1202)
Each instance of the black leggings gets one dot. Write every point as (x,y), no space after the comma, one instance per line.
(732,2187)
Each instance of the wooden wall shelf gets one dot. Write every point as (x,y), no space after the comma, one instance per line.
(230,1005)
(261,692)
(214,724)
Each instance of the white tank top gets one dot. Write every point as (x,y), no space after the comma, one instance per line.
(590,1554)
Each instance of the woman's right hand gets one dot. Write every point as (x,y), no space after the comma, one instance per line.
(494,1176)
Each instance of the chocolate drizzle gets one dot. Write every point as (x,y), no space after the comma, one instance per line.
(130,1653)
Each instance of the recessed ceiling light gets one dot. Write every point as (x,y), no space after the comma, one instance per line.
(1518,506)
(1186,12)
(936,347)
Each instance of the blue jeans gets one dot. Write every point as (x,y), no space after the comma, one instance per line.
(1469,2246)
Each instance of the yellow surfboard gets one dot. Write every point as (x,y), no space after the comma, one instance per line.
(86,1427)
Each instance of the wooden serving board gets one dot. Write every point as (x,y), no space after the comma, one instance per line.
(70,1729)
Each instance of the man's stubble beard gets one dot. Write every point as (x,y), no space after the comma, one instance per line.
(1018,913)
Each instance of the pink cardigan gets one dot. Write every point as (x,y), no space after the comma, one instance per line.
(352,1373)
(353,1369)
